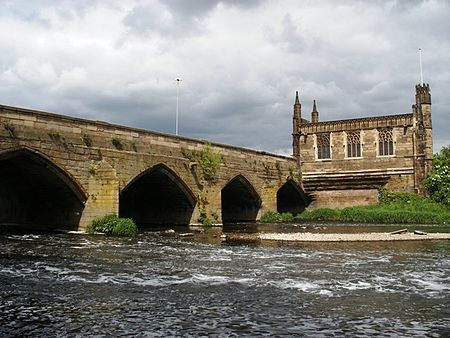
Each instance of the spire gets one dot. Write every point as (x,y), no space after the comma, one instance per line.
(314,113)
(297,114)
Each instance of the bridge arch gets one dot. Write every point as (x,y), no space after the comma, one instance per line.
(240,201)
(157,196)
(37,193)
(291,198)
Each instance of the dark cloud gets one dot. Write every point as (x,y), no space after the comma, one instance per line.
(241,62)
(199,8)
(176,18)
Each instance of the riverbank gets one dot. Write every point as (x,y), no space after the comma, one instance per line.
(393,208)
(361,237)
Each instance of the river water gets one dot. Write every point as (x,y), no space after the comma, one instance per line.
(162,286)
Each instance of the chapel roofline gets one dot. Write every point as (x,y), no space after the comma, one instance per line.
(399,120)
(361,119)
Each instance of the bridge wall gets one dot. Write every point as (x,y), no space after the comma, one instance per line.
(103,158)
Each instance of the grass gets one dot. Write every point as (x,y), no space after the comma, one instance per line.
(393,208)
(111,225)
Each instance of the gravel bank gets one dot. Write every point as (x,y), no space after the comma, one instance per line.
(362,237)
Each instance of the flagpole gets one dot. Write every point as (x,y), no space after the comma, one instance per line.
(420,64)
(176,118)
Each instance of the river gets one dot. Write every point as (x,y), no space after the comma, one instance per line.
(163,286)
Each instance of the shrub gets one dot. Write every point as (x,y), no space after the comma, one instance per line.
(117,142)
(57,137)
(112,225)
(209,163)
(9,127)
(276,217)
(125,227)
(205,220)
(322,214)
(438,182)
(86,140)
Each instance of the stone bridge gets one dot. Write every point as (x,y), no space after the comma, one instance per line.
(62,172)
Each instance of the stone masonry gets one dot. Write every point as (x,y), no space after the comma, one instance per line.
(98,160)
(345,162)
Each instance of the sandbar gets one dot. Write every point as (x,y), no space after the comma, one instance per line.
(355,237)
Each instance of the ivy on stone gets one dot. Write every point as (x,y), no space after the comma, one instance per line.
(209,162)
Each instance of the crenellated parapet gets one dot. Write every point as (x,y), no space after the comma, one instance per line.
(400,120)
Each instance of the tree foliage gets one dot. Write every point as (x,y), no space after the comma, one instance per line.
(438,182)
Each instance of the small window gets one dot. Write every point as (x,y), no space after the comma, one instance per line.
(385,142)
(354,144)
(323,146)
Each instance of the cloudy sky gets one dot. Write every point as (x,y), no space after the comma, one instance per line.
(240,62)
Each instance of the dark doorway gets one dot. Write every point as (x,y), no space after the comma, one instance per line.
(240,202)
(157,197)
(291,198)
(36,193)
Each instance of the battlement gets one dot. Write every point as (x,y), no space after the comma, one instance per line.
(423,95)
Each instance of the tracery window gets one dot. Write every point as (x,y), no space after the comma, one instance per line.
(323,146)
(385,142)
(354,144)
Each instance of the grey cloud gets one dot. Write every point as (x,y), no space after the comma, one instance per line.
(199,8)
(182,20)
(239,88)
(289,38)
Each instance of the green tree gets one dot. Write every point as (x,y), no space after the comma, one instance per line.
(438,182)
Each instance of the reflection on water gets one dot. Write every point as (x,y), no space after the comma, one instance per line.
(160,286)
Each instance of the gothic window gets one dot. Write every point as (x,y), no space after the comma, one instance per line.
(385,142)
(323,146)
(354,144)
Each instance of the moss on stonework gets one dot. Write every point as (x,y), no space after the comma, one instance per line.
(9,127)
(209,163)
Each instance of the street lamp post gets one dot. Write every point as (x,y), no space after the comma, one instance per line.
(176,118)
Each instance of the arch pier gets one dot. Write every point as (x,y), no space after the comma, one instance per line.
(60,172)
(35,192)
(157,197)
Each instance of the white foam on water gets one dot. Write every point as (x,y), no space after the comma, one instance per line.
(9,271)
(212,280)
(431,285)
(27,237)
(385,284)
(359,285)
(148,282)
(325,293)
(302,285)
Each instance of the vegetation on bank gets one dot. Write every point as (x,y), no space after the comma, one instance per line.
(392,208)
(111,225)
(276,217)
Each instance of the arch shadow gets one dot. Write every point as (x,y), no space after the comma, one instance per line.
(291,198)
(240,201)
(157,196)
(37,193)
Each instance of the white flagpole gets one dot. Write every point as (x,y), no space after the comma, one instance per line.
(420,64)
(176,118)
